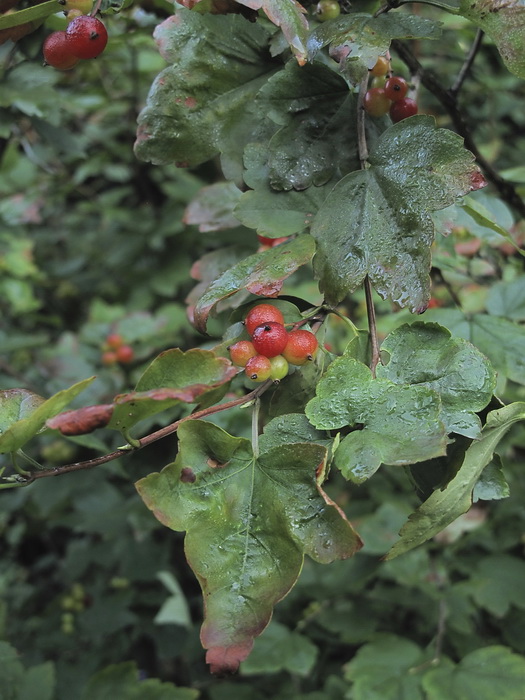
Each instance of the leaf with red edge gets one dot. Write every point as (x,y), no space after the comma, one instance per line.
(289,16)
(173,377)
(82,420)
(249,522)
(262,274)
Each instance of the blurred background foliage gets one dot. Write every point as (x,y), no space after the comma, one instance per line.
(95,595)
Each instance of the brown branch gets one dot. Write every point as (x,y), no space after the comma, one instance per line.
(449,102)
(145,441)
(465,68)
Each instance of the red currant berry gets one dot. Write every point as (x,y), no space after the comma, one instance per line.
(241,352)
(270,339)
(125,354)
(258,368)
(57,52)
(301,347)
(114,341)
(396,88)
(381,67)
(280,368)
(327,9)
(262,313)
(86,36)
(376,102)
(402,109)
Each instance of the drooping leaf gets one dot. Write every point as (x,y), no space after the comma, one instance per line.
(394,424)
(82,420)
(219,62)
(501,340)
(173,377)
(23,414)
(357,39)
(262,274)
(484,674)
(504,22)
(425,354)
(377,222)
(212,208)
(289,16)
(447,504)
(249,521)
(317,140)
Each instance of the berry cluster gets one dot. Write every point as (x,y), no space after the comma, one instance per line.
(84,37)
(115,350)
(388,94)
(272,348)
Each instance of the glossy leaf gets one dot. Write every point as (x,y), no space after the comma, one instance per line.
(394,424)
(357,39)
(486,673)
(262,274)
(425,354)
(249,522)
(377,222)
(272,212)
(289,16)
(24,414)
(501,340)
(218,64)
(504,22)
(447,504)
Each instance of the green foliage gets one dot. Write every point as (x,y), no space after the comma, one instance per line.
(393,456)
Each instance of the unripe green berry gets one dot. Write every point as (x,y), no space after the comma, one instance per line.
(280,368)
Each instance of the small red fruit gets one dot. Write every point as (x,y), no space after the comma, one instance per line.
(402,109)
(109,358)
(301,347)
(376,102)
(241,352)
(86,37)
(57,52)
(114,341)
(270,339)
(396,88)
(125,354)
(262,313)
(258,368)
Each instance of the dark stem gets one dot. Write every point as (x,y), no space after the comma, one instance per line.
(449,288)
(449,102)
(372,328)
(148,440)
(361,123)
(465,68)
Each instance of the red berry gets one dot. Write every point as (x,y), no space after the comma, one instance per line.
(86,37)
(57,52)
(270,339)
(279,368)
(381,66)
(262,313)
(109,357)
(125,354)
(301,347)
(402,109)
(396,88)
(114,341)
(258,368)
(241,352)
(376,102)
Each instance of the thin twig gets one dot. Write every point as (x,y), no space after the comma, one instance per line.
(449,102)
(372,328)
(469,60)
(361,123)
(255,427)
(149,439)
